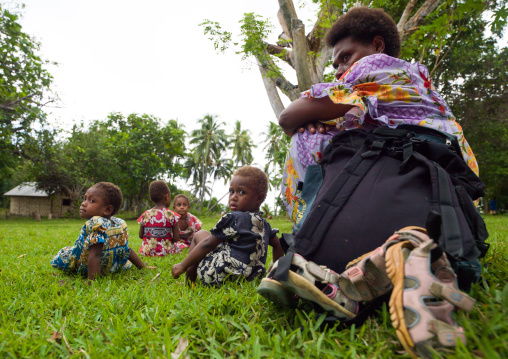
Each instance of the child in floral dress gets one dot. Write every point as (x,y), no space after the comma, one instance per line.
(102,245)
(188,223)
(237,246)
(159,225)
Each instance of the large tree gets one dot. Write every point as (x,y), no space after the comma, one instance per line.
(425,26)
(144,148)
(71,164)
(24,90)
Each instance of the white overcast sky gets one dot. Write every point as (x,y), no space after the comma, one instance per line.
(151,57)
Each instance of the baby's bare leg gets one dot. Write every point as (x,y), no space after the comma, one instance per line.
(192,272)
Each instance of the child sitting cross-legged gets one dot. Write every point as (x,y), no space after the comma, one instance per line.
(159,225)
(237,246)
(188,223)
(102,245)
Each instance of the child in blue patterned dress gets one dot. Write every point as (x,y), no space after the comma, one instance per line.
(237,246)
(102,245)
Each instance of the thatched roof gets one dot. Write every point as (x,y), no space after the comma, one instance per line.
(26,189)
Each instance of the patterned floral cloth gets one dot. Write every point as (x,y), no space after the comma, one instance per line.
(158,236)
(115,251)
(187,235)
(385,91)
(242,254)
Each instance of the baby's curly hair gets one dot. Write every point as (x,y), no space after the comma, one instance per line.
(180,196)
(259,177)
(157,190)
(112,195)
(363,24)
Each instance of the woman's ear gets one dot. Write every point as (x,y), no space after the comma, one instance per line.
(379,43)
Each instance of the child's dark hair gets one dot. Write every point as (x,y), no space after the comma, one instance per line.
(260,178)
(112,194)
(181,196)
(363,24)
(157,190)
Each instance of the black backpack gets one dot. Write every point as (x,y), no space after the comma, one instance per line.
(371,184)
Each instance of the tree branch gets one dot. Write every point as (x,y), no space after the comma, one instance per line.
(279,50)
(418,18)
(285,14)
(271,88)
(405,16)
(317,44)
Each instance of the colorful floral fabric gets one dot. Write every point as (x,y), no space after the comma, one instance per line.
(158,235)
(187,235)
(115,251)
(385,91)
(242,254)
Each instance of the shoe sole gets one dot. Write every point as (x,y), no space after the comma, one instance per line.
(306,290)
(395,270)
(275,292)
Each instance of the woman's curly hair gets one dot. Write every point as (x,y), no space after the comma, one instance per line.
(363,24)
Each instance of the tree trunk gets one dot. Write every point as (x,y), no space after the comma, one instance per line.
(139,200)
(211,193)
(301,51)
(417,19)
(74,193)
(271,91)
(203,182)
(218,202)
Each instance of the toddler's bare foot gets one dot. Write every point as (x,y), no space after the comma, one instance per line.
(177,270)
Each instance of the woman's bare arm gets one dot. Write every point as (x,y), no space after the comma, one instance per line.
(304,110)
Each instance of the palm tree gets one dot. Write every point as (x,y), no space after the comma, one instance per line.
(222,168)
(277,144)
(242,145)
(275,149)
(209,141)
(192,171)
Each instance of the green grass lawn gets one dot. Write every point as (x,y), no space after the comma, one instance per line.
(45,313)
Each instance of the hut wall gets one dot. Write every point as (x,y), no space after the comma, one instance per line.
(26,206)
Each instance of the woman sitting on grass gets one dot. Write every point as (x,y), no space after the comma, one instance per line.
(237,246)
(102,245)
(374,88)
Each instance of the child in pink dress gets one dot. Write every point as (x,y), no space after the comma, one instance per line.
(159,225)
(188,223)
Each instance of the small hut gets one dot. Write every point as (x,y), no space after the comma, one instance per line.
(27,200)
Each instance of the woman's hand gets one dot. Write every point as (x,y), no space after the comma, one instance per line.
(305,112)
(314,127)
